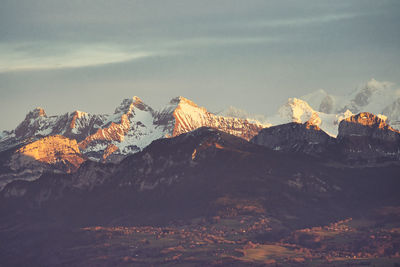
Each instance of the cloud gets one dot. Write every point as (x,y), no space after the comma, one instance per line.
(39,56)
(220,41)
(301,21)
(53,55)
(378,85)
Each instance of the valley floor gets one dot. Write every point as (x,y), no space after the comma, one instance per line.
(373,240)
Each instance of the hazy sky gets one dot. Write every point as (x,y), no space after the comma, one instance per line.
(89,55)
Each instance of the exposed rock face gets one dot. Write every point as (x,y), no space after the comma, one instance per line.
(31,124)
(363,138)
(53,154)
(111,148)
(294,137)
(127,131)
(367,125)
(182,116)
(54,150)
(366,136)
(76,125)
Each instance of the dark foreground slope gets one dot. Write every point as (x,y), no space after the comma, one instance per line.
(203,187)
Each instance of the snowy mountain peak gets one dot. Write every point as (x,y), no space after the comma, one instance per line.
(79,114)
(180,100)
(297,110)
(31,124)
(373,92)
(378,97)
(36,113)
(373,96)
(182,115)
(128,104)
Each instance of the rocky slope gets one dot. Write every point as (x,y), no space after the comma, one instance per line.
(366,136)
(76,125)
(182,116)
(53,154)
(128,130)
(363,138)
(295,137)
(50,150)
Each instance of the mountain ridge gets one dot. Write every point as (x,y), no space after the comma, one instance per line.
(134,125)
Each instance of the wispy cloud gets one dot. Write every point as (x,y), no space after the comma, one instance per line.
(219,41)
(43,55)
(301,21)
(40,56)
(56,56)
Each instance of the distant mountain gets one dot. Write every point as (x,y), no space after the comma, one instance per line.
(106,138)
(72,138)
(375,97)
(295,137)
(362,138)
(369,137)
(299,111)
(327,110)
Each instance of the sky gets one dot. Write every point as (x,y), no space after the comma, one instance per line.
(90,54)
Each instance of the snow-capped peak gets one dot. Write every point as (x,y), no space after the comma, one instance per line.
(180,100)
(296,110)
(129,104)
(373,96)
(378,97)
(36,113)
(79,114)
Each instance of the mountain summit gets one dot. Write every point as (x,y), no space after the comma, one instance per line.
(134,125)
(111,137)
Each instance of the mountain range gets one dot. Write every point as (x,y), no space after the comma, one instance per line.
(62,143)
(169,169)
(327,110)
